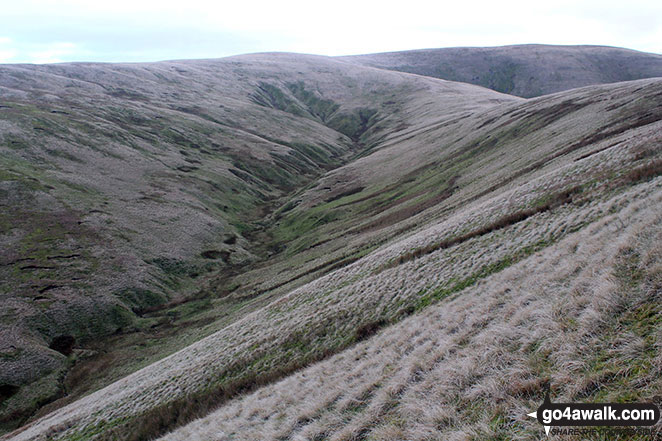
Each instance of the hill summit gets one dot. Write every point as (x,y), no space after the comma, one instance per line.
(524,70)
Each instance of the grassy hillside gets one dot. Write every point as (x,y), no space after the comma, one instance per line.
(583,313)
(132,195)
(523,70)
(426,264)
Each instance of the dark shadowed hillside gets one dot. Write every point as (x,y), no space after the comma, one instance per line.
(523,70)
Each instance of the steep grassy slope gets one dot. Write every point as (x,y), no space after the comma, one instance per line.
(523,70)
(131,194)
(444,203)
(583,313)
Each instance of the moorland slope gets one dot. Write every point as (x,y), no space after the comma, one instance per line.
(179,234)
(133,193)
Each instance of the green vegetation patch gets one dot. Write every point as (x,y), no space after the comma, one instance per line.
(268,95)
(354,124)
(317,106)
(139,299)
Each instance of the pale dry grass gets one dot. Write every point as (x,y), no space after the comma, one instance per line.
(470,367)
(355,294)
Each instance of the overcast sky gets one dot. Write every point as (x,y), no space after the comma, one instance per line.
(45,31)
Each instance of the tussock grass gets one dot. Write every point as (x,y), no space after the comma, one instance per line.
(479,361)
(303,326)
(644,172)
(555,200)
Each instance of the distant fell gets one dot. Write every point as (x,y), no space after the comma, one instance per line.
(523,70)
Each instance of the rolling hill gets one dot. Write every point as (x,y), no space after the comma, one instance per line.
(524,70)
(314,245)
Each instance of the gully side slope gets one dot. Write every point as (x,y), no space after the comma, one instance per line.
(571,160)
(524,70)
(425,173)
(127,187)
(583,313)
